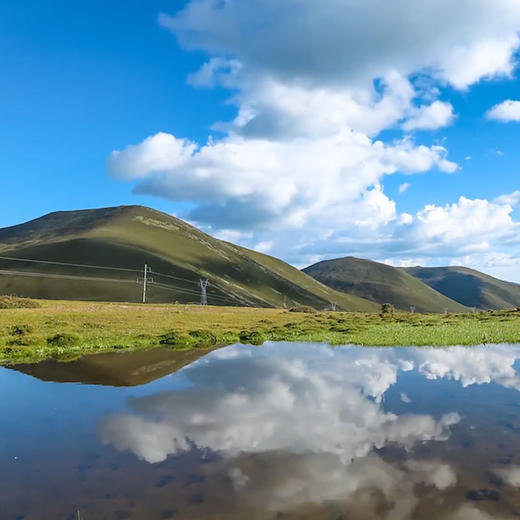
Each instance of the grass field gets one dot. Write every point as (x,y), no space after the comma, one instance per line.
(65,330)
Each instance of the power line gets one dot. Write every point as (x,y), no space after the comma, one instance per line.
(146,279)
(103,279)
(69,264)
(174,277)
(189,291)
(63,276)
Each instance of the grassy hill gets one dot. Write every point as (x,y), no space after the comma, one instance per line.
(469,287)
(381,283)
(124,239)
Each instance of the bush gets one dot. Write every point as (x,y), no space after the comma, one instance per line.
(174,338)
(253,337)
(12,302)
(203,338)
(20,330)
(387,308)
(303,308)
(63,340)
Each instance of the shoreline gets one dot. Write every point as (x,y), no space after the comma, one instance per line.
(66,330)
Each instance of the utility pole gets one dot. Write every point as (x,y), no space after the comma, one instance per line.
(203,294)
(145,280)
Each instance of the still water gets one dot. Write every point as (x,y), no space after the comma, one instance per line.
(290,431)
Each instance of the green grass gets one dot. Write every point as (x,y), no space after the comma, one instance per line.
(66,330)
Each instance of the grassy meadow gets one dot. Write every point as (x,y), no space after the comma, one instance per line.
(32,330)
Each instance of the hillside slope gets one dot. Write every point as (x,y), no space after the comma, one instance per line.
(381,283)
(469,287)
(124,239)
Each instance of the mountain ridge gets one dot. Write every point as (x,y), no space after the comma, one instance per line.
(381,283)
(125,237)
(469,287)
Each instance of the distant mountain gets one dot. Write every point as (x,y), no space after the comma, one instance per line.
(381,283)
(125,238)
(469,287)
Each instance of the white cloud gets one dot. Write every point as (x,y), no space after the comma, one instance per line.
(309,108)
(464,220)
(405,398)
(251,183)
(404,187)
(264,247)
(230,235)
(511,199)
(430,117)
(355,42)
(156,153)
(506,111)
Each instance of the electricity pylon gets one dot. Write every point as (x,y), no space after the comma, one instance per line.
(203,294)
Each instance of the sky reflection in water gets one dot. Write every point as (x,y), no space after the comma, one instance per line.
(279,431)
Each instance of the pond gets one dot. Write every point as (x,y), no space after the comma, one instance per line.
(287,430)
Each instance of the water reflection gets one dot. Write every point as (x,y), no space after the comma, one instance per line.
(294,399)
(296,431)
(306,425)
(113,369)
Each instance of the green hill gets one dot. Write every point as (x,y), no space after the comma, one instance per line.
(381,283)
(469,287)
(124,239)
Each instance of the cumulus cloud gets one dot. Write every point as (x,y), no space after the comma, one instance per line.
(465,219)
(313,87)
(355,42)
(430,117)
(478,233)
(239,182)
(506,111)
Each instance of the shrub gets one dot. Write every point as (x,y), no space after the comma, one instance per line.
(303,308)
(12,302)
(63,340)
(174,338)
(387,308)
(253,337)
(20,330)
(203,338)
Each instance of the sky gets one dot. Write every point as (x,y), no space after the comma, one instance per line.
(306,130)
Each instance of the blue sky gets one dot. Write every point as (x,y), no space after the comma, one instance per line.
(316,121)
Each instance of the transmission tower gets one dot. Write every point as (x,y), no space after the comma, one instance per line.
(203,294)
